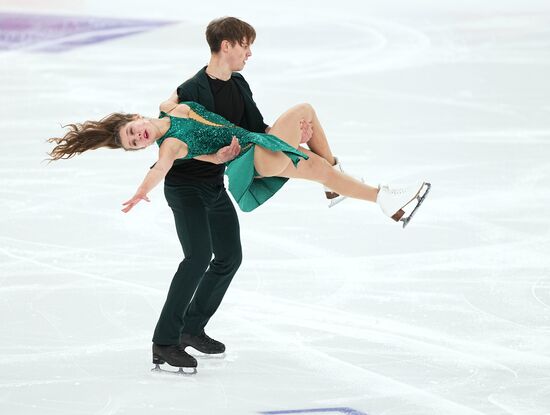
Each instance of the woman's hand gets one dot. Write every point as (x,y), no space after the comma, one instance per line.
(228,153)
(306,129)
(134,201)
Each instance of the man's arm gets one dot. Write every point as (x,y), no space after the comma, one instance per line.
(174,97)
(188,91)
(172,100)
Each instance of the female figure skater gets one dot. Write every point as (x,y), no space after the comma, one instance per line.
(258,164)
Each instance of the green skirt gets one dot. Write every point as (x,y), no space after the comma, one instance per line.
(250,192)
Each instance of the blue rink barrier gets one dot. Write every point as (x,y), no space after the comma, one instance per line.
(345,411)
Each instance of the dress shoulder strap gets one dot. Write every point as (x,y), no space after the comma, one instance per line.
(169,131)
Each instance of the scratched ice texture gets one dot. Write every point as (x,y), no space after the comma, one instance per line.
(333,310)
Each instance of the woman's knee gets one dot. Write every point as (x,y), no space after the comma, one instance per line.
(305,110)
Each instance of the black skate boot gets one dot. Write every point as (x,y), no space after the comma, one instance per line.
(174,355)
(202,343)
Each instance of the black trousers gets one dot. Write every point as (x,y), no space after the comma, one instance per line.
(206,223)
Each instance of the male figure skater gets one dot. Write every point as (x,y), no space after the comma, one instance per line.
(206,220)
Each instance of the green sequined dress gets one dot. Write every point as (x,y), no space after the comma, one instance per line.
(248,191)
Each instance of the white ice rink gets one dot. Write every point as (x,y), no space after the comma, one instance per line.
(334,311)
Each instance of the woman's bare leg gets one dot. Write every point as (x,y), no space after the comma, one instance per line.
(287,128)
(319,170)
(318,142)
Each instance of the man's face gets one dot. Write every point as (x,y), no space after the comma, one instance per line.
(238,55)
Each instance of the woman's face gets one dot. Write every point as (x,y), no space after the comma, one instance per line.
(137,134)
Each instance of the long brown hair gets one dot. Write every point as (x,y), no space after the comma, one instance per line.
(90,135)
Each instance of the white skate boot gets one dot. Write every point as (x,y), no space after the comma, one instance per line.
(394,200)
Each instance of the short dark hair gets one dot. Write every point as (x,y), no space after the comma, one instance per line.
(228,28)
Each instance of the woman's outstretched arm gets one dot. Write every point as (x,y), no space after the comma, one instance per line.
(168,152)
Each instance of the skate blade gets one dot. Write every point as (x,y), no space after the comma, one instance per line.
(420,200)
(336,200)
(158,370)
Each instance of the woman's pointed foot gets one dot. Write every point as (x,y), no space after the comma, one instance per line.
(401,202)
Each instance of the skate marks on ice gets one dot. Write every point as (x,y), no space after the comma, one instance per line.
(314,411)
(485,351)
(376,44)
(496,291)
(361,383)
(390,331)
(47,260)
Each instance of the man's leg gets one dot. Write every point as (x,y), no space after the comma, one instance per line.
(226,244)
(192,226)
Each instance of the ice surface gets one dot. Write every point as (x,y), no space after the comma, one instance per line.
(332,308)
